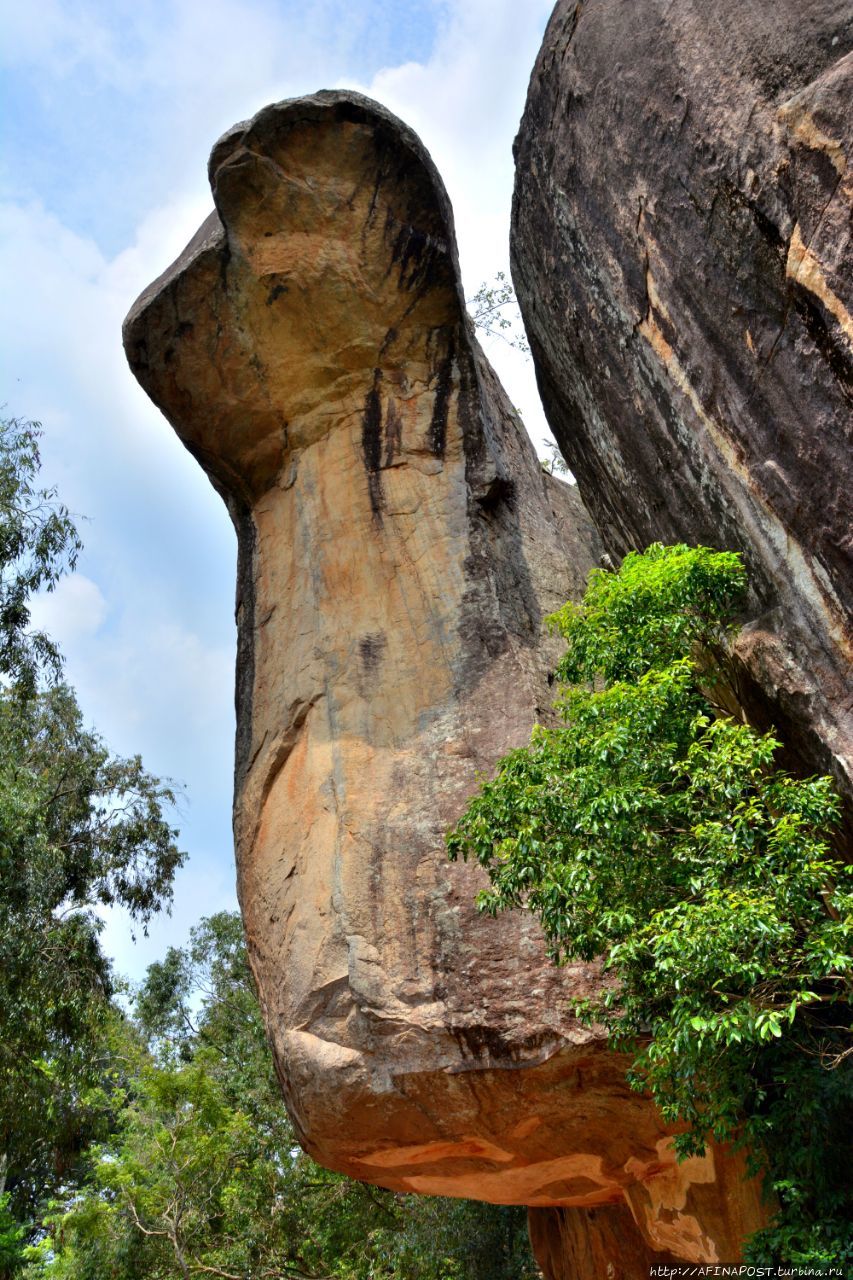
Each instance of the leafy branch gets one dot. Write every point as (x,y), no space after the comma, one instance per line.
(494,310)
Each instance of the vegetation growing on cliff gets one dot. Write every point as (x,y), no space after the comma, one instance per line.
(653,829)
(494,310)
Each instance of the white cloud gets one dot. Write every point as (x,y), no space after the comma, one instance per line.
(53,37)
(165,691)
(63,304)
(72,612)
(161,686)
(148,683)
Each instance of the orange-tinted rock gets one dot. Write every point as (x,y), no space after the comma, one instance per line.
(573,1244)
(698,1211)
(398,548)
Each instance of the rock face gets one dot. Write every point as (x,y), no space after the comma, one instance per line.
(623,1240)
(683,259)
(398,547)
(601,1242)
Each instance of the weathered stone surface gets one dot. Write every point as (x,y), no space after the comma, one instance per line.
(699,1211)
(398,547)
(682,255)
(604,1242)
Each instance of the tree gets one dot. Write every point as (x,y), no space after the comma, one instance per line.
(204,1175)
(651,828)
(553,463)
(12,1239)
(80,829)
(38,543)
(495,313)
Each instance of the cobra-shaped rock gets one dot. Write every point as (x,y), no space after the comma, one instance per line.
(399,545)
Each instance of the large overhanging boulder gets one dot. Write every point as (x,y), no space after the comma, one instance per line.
(682,255)
(399,545)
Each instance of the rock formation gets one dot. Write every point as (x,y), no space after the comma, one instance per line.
(683,259)
(603,1243)
(399,545)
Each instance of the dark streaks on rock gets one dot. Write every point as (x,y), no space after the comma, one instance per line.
(371,442)
(393,432)
(275,292)
(371,649)
(443,389)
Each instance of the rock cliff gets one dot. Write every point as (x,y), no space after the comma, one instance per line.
(399,545)
(682,255)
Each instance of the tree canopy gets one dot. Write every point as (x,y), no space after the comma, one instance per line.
(202,1174)
(80,829)
(38,543)
(652,829)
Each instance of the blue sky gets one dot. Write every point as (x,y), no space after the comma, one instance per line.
(110,111)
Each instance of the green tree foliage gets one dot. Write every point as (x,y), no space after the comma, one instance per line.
(553,462)
(653,830)
(495,313)
(80,829)
(12,1239)
(38,543)
(204,1174)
